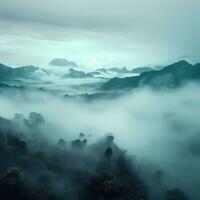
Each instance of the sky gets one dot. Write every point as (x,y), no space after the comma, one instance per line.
(96,33)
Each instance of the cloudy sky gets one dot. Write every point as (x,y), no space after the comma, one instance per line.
(99,33)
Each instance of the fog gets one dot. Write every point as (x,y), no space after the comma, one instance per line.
(160,128)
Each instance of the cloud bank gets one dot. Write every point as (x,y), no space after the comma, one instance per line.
(160,128)
(95,33)
(62,62)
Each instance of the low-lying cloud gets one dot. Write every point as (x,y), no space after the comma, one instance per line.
(160,128)
(63,62)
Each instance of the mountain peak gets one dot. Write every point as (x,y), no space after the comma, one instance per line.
(182,62)
(171,76)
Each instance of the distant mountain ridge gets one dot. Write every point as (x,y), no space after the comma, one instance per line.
(140,70)
(78,74)
(171,76)
(124,70)
(9,73)
(102,72)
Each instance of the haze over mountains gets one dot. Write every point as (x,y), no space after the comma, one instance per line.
(110,79)
(108,134)
(171,76)
(67,78)
(26,72)
(99,100)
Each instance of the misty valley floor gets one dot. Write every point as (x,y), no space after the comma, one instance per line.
(67,154)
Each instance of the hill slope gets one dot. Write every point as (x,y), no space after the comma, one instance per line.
(171,76)
(9,73)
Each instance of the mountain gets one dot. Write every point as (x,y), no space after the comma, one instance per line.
(119,70)
(78,74)
(102,70)
(9,73)
(96,73)
(140,70)
(5,72)
(171,76)
(95,96)
(124,70)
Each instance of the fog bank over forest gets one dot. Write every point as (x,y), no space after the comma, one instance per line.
(160,128)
